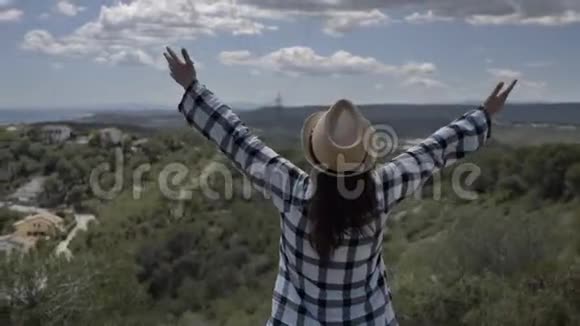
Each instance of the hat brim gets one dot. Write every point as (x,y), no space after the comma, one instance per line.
(309,125)
(307,129)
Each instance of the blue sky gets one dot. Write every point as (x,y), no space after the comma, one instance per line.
(81,53)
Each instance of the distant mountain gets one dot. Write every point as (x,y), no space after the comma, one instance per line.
(244,106)
(407,120)
(11,116)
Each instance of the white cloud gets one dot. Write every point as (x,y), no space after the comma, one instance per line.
(566,18)
(528,12)
(68,8)
(138,27)
(129,56)
(144,26)
(300,60)
(129,32)
(338,23)
(418,68)
(505,73)
(493,20)
(43,41)
(508,75)
(428,17)
(235,57)
(424,82)
(10,15)
(335,22)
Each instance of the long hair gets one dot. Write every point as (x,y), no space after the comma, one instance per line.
(340,205)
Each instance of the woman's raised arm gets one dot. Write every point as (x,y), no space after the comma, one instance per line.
(409,171)
(217,122)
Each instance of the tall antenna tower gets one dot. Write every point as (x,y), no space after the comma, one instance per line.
(279,103)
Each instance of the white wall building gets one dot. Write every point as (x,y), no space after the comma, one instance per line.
(56,134)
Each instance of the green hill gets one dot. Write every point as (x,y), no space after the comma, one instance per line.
(509,257)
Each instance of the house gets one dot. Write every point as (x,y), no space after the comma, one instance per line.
(56,134)
(39,225)
(111,136)
(29,230)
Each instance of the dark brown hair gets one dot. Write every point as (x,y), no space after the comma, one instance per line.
(340,204)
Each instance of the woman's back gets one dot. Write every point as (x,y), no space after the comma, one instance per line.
(350,286)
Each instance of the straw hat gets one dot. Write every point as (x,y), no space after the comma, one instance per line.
(334,141)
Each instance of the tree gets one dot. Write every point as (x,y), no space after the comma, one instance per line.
(546,167)
(573,180)
(5,156)
(41,289)
(154,149)
(53,193)
(50,162)
(76,195)
(34,134)
(512,186)
(7,218)
(37,151)
(29,166)
(20,147)
(94,140)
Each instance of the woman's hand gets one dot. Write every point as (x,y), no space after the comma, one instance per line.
(496,101)
(182,72)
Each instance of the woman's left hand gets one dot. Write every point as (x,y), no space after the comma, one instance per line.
(183,72)
(496,101)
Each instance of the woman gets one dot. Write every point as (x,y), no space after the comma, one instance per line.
(331,270)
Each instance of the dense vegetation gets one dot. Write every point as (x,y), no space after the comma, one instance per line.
(68,166)
(510,257)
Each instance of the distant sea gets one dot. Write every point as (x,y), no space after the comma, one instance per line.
(33,116)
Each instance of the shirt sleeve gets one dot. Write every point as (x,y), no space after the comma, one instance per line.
(409,171)
(267,170)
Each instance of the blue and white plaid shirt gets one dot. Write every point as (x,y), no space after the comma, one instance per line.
(352,288)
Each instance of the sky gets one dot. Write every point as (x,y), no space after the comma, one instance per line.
(98,53)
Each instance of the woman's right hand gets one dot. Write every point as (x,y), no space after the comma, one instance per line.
(183,72)
(496,101)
